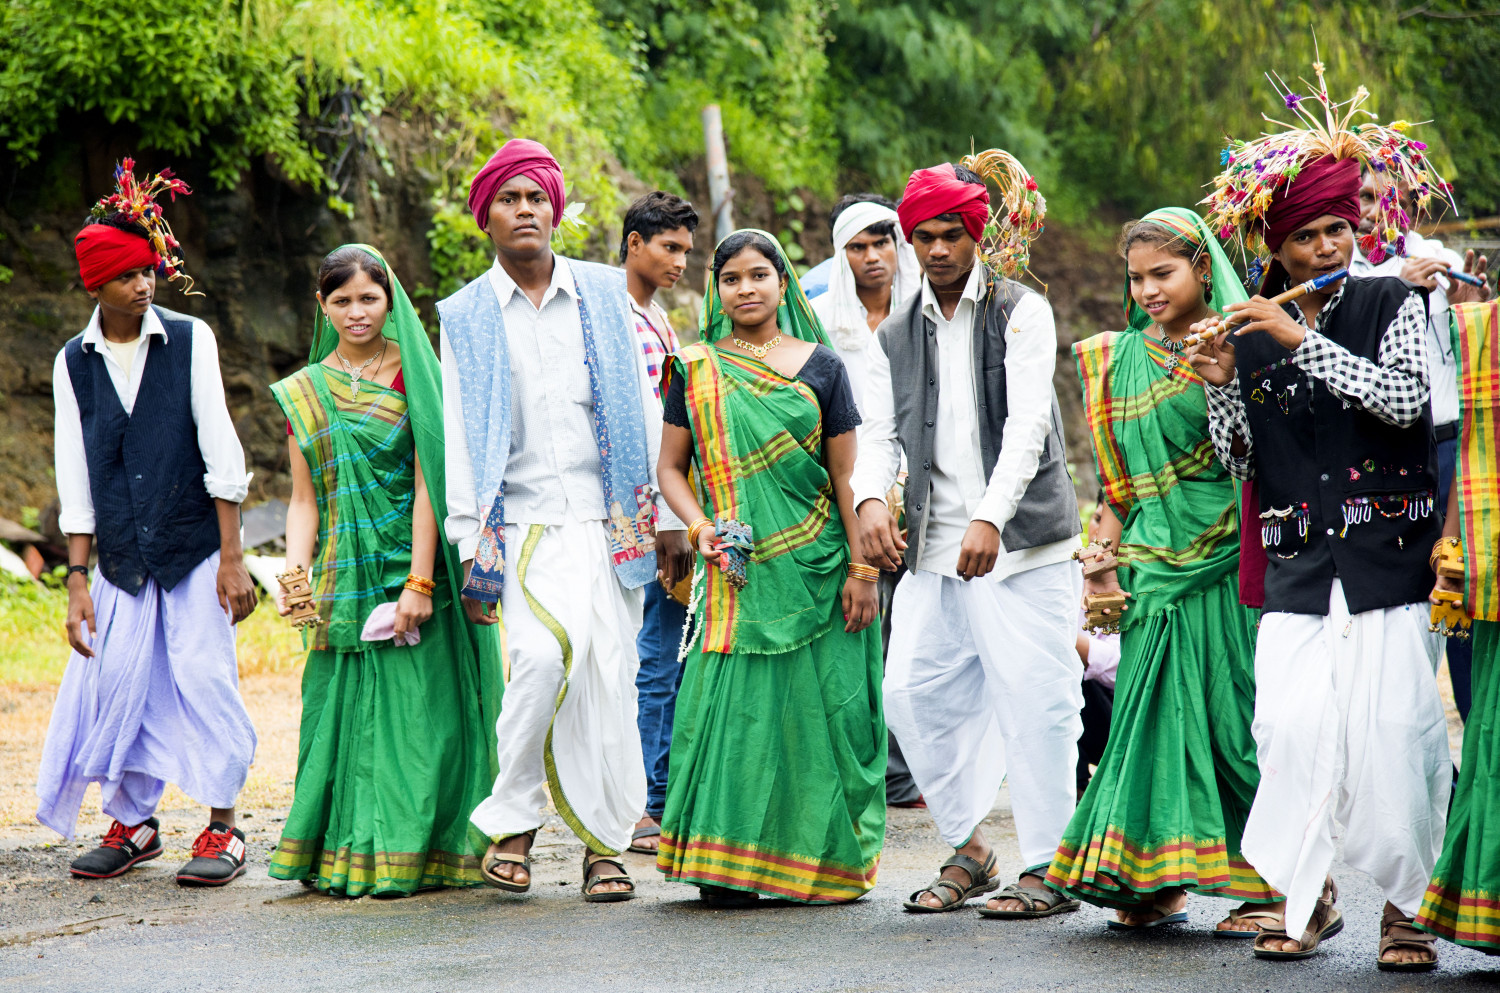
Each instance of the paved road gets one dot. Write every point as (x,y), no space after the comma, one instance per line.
(144,933)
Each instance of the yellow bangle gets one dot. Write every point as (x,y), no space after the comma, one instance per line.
(417,584)
(696,528)
(859,570)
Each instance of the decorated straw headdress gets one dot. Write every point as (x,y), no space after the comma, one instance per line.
(136,201)
(1280,181)
(1016,219)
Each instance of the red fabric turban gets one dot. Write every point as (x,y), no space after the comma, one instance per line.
(519,156)
(104,252)
(930,192)
(1324,186)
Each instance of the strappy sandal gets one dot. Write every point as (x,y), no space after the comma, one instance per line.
(494,860)
(951,895)
(1325,922)
(1407,938)
(1264,920)
(1041,901)
(589,882)
(649,831)
(1168,916)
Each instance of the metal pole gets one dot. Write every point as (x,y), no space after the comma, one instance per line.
(719,191)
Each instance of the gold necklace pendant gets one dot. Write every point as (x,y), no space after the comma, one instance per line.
(759,351)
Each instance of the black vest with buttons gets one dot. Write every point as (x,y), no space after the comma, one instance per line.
(1342,493)
(152,515)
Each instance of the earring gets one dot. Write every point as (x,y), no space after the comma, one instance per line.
(1208,286)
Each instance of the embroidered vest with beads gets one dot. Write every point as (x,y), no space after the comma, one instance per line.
(1342,493)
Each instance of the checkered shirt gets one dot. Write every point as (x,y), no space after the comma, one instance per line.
(1394,388)
(657,341)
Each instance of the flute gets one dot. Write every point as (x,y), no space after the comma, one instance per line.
(1300,290)
(1461,276)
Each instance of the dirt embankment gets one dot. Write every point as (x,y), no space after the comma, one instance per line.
(254,250)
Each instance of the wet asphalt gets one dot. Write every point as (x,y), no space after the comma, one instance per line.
(142,932)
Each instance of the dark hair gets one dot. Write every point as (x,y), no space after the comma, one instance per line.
(340,265)
(120,222)
(654,213)
(741,240)
(963,175)
(1153,234)
(887,228)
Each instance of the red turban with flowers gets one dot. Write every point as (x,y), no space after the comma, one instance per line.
(930,192)
(1324,186)
(519,156)
(104,252)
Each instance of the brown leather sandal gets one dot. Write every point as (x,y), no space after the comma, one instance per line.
(1264,920)
(1325,922)
(589,882)
(1396,931)
(951,895)
(494,860)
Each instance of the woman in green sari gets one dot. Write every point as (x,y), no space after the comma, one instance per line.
(398,709)
(1166,808)
(777,782)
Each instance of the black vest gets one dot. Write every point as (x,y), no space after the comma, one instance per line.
(152,515)
(1347,494)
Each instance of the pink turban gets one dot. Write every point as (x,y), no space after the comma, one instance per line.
(519,156)
(930,192)
(1324,186)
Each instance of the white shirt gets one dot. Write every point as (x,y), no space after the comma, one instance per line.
(225,477)
(553,473)
(960,493)
(1442,364)
(856,360)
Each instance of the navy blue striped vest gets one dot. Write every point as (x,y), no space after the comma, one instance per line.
(152,515)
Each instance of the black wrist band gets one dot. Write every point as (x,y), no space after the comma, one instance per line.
(78,568)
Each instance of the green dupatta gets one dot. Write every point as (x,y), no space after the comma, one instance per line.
(365,521)
(1148,418)
(758,441)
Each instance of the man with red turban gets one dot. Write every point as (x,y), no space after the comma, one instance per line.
(1324,403)
(150,474)
(981,677)
(552,430)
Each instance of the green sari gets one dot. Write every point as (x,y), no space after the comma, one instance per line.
(1462,902)
(778,746)
(1167,804)
(397,743)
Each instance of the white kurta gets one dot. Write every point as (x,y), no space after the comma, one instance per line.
(1352,743)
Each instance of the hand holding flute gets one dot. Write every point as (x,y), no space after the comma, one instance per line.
(1210,342)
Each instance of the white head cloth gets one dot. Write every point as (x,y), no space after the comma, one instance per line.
(849,330)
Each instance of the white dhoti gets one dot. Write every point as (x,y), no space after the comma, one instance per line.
(983,678)
(1352,741)
(568,718)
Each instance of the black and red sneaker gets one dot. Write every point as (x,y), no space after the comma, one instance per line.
(218,857)
(122,849)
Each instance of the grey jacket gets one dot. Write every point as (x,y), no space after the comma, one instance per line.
(1048,511)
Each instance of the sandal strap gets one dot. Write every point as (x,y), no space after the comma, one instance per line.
(978,873)
(510,858)
(1409,937)
(1030,896)
(947,891)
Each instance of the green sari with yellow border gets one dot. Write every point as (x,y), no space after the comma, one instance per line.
(397,743)
(1168,802)
(778,757)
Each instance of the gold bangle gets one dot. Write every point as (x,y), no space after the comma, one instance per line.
(859,570)
(696,528)
(418,584)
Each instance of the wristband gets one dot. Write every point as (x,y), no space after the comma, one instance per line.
(83,569)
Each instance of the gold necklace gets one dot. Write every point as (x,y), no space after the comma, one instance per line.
(759,351)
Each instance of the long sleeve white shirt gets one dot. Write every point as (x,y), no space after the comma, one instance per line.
(224,478)
(553,472)
(960,492)
(1441,362)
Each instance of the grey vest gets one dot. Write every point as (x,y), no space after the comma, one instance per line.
(1049,508)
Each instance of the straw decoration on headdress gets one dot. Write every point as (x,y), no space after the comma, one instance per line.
(1260,171)
(1015,219)
(136,201)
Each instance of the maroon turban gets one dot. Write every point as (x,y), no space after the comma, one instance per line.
(519,156)
(930,192)
(1324,186)
(104,252)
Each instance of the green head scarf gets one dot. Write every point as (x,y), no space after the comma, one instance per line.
(794,317)
(1188,226)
